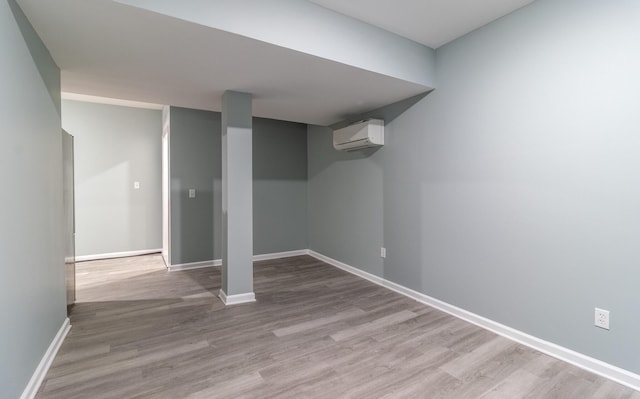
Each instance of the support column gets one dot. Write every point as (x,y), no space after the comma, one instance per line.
(237,199)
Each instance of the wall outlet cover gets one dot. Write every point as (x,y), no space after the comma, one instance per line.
(601,318)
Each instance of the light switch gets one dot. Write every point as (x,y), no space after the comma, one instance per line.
(192,193)
(136,185)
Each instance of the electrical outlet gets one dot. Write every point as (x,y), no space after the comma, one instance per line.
(602,318)
(383,252)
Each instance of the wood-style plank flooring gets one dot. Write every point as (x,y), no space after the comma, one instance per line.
(314,332)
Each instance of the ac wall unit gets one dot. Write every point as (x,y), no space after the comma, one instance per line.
(363,134)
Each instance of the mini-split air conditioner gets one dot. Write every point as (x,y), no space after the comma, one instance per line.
(363,134)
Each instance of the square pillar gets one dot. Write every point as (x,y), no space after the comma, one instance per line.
(237,199)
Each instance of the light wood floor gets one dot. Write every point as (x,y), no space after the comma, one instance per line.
(314,332)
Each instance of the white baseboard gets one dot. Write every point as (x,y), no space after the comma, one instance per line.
(111,255)
(43,367)
(595,366)
(194,265)
(236,299)
(218,262)
(280,255)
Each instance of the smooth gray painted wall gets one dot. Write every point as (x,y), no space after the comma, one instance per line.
(279,187)
(345,195)
(195,153)
(510,191)
(116,146)
(32,288)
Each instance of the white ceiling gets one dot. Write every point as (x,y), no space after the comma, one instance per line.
(108,49)
(430,22)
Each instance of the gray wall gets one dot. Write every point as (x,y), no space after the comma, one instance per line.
(32,288)
(510,191)
(195,151)
(114,147)
(345,202)
(279,186)
(279,190)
